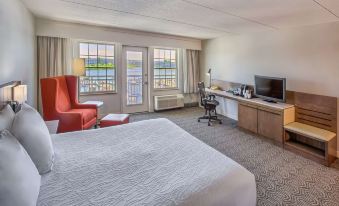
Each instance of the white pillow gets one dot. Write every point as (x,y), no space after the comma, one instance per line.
(19,178)
(31,131)
(6,118)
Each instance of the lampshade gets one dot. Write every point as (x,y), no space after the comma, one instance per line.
(20,93)
(79,67)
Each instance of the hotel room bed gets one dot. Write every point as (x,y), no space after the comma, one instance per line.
(152,162)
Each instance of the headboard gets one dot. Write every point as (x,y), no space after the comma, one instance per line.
(6,92)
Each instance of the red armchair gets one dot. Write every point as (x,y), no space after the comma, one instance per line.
(60,102)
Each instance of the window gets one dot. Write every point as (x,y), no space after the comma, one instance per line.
(165,68)
(100,68)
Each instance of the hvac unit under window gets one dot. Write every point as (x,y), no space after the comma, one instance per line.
(168,102)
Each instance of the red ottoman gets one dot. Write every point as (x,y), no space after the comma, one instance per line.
(114,119)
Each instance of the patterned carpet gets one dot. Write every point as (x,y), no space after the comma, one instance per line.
(282,177)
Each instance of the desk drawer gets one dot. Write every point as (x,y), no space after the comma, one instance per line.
(273,111)
(248,117)
(248,105)
(270,125)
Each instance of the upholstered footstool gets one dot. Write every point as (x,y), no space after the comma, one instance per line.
(114,119)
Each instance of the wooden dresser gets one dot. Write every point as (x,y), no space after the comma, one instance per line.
(261,117)
(265,119)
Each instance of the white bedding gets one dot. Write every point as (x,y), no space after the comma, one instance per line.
(151,162)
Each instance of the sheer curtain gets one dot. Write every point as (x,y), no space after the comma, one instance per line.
(53,59)
(191,71)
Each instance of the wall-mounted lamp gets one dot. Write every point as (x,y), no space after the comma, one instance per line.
(7,95)
(20,93)
(209,73)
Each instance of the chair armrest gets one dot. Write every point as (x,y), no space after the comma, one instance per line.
(211,96)
(85,106)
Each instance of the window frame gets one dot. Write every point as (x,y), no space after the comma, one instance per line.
(177,69)
(114,62)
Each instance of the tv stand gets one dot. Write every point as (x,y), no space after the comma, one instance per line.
(270,101)
(261,117)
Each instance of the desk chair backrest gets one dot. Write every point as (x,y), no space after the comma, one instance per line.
(202,92)
(209,103)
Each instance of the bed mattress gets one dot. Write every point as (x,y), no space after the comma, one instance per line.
(151,162)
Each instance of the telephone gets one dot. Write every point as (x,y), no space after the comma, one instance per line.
(214,87)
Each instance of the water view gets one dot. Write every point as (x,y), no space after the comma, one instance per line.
(103,78)
(101,75)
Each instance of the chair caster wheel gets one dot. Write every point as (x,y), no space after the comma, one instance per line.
(209,124)
(198,120)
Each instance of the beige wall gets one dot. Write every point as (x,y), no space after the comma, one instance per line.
(17,41)
(121,37)
(45,27)
(308,57)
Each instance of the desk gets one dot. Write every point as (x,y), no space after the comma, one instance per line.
(258,101)
(261,117)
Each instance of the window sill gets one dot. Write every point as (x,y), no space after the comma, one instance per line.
(96,93)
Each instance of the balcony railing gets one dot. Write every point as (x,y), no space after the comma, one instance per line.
(168,82)
(94,84)
(134,89)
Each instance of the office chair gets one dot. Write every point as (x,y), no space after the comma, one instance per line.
(210,105)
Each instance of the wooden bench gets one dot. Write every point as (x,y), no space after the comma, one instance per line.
(313,134)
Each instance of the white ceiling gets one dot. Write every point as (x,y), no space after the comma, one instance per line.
(202,19)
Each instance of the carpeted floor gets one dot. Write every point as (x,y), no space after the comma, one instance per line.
(282,177)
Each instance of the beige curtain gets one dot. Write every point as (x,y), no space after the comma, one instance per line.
(53,59)
(191,72)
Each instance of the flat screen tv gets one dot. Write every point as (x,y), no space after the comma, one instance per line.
(271,89)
